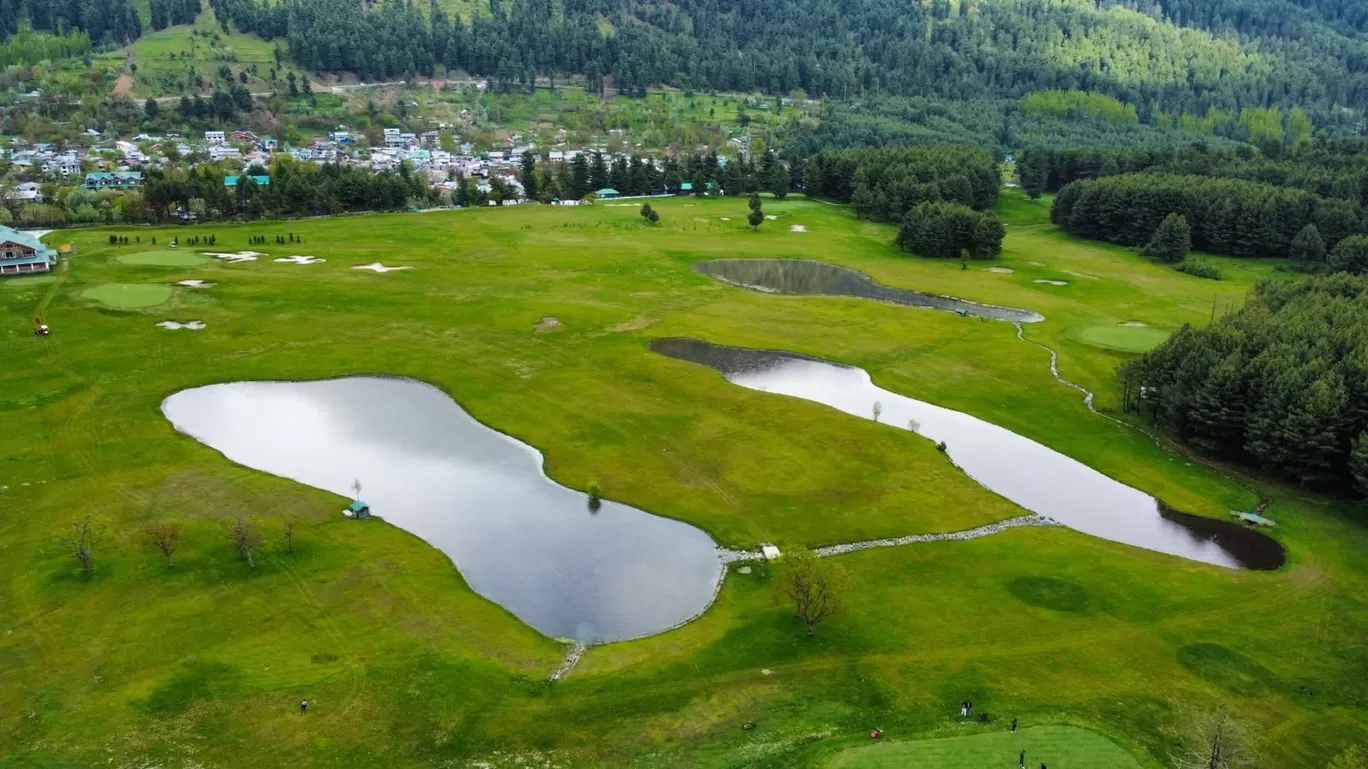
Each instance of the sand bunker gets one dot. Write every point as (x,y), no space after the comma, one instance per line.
(1051,282)
(192,325)
(378,267)
(1036,264)
(194,283)
(724,218)
(771,217)
(1000,270)
(234,257)
(301,260)
(1080,275)
(549,323)
(1134,324)
(797,228)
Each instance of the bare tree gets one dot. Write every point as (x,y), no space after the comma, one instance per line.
(165,537)
(289,532)
(245,536)
(356,488)
(812,586)
(1215,740)
(86,534)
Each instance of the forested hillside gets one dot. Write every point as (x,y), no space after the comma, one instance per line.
(1181,56)
(1284,382)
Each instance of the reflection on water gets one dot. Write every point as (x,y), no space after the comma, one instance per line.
(519,539)
(1037,478)
(803,276)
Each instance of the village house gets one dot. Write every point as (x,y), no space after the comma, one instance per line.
(220,152)
(215,137)
(23,254)
(27,192)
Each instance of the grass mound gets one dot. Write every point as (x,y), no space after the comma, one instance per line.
(1124,338)
(164,258)
(1052,745)
(128,296)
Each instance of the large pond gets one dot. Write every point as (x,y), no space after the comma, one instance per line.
(425,465)
(803,276)
(1037,478)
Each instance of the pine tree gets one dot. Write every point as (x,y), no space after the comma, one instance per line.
(1171,241)
(757,215)
(1358,461)
(1307,249)
(779,180)
(529,175)
(1351,255)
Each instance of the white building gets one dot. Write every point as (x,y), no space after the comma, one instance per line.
(215,137)
(223,152)
(27,192)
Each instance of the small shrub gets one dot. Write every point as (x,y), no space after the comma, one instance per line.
(595,490)
(941,447)
(1199,268)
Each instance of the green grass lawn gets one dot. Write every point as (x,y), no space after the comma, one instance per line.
(404,666)
(163,259)
(128,296)
(1060,747)
(1123,338)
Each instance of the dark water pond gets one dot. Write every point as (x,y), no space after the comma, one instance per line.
(519,539)
(803,276)
(1037,478)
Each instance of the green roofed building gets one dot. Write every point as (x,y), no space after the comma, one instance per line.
(607,193)
(23,254)
(260,181)
(113,180)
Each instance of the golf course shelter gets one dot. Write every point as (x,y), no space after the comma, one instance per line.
(23,254)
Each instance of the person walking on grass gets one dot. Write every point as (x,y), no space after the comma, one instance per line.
(1014,726)
(303,706)
(969,707)
(1021,761)
(964,708)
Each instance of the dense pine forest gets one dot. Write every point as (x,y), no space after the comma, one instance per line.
(1166,58)
(1282,382)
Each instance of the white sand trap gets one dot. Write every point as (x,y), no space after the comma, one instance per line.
(700,219)
(1081,275)
(1036,264)
(771,217)
(744,570)
(797,228)
(1134,324)
(235,257)
(194,283)
(192,325)
(301,260)
(724,218)
(1000,270)
(547,323)
(1051,282)
(378,267)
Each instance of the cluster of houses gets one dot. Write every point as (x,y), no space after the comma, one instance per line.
(118,164)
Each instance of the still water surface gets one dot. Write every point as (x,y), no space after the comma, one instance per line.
(1036,477)
(803,276)
(519,539)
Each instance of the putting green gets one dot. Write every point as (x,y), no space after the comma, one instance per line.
(163,259)
(128,296)
(1055,746)
(30,280)
(1124,338)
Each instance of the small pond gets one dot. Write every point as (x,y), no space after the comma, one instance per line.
(519,539)
(1037,478)
(803,276)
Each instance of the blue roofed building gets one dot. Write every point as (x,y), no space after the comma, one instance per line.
(24,254)
(260,181)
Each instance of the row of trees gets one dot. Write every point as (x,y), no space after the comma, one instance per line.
(104,21)
(1282,382)
(1330,168)
(831,48)
(1226,216)
(296,189)
(887,183)
(243,533)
